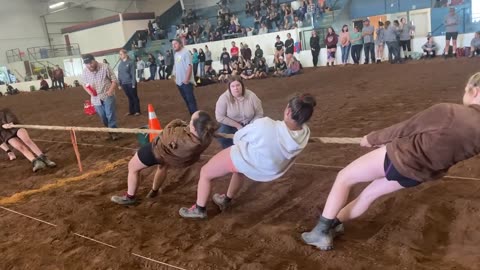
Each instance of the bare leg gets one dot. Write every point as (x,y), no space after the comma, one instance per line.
(454,43)
(22,148)
(447,46)
(367,168)
(10,154)
(134,168)
(23,135)
(159,178)
(375,190)
(235,184)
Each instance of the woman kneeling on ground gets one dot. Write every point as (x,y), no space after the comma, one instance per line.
(263,151)
(21,141)
(417,150)
(236,108)
(179,145)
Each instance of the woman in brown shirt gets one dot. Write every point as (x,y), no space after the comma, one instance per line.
(419,149)
(179,145)
(21,141)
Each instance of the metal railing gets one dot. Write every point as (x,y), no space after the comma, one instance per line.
(15,55)
(53,51)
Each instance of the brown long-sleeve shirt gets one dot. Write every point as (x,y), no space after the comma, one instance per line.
(177,146)
(425,146)
(7,117)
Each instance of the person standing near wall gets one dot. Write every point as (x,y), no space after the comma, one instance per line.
(59,77)
(208,58)
(126,77)
(331,41)
(368,44)
(380,42)
(405,37)
(289,48)
(451,32)
(184,75)
(152,66)
(345,44)
(103,80)
(391,32)
(315,47)
(357,44)
(168,64)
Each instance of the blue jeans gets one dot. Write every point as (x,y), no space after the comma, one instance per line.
(153,72)
(133,101)
(106,111)
(345,53)
(201,66)
(186,90)
(226,130)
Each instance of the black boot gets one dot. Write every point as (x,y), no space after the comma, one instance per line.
(321,236)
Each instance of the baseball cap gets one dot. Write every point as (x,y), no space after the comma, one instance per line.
(88,58)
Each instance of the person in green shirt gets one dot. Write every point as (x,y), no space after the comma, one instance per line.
(357,44)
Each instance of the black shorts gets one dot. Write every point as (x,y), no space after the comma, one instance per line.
(147,157)
(392,174)
(8,134)
(451,35)
(208,62)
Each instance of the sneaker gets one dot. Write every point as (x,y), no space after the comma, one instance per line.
(192,212)
(47,161)
(379,61)
(152,193)
(11,156)
(319,239)
(38,164)
(219,200)
(115,136)
(137,114)
(328,64)
(123,200)
(128,114)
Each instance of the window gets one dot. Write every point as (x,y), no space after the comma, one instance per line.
(475,11)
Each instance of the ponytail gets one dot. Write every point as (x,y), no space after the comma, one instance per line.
(302,107)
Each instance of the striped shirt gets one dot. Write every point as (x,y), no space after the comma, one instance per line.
(100,80)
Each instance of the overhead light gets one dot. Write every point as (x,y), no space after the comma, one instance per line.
(56,5)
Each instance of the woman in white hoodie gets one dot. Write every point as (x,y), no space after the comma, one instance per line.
(263,151)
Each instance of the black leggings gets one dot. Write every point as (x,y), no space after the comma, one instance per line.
(406,45)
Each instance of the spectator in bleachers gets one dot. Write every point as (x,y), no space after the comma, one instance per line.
(429,48)
(248,8)
(368,42)
(310,15)
(207,27)
(195,32)
(380,42)
(263,29)
(297,22)
(201,62)
(150,29)
(289,48)
(257,20)
(261,71)
(195,62)
(315,47)
(161,66)
(331,41)
(249,72)
(405,37)
(357,44)
(140,68)
(225,59)
(232,29)
(258,54)
(345,44)
(475,45)
(208,58)
(169,62)
(288,17)
(152,66)
(234,51)
(249,31)
(278,48)
(217,36)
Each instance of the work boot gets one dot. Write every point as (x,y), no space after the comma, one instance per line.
(38,164)
(192,212)
(152,193)
(47,161)
(321,236)
(221,201)
(123,200)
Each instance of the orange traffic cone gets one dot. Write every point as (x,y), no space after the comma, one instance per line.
(153,122)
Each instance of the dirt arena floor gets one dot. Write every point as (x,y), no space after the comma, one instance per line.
(433,226)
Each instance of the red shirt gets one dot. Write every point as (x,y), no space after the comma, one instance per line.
(234,51)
